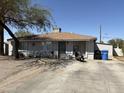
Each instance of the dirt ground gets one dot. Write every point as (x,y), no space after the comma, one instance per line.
(14,72)
(120,58)
(63,77)
(10,67)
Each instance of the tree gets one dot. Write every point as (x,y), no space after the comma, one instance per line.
(13,36)
(113,42)
(117,42)
(22,33)
(22,14)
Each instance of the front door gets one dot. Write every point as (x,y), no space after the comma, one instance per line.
(61,48)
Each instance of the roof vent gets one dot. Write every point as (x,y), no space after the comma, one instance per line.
(56,29)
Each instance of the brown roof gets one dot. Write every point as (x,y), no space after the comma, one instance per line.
(60,36)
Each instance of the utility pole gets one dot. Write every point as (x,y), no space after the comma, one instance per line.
(100,31)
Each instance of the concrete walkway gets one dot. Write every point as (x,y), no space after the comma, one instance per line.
(90,77)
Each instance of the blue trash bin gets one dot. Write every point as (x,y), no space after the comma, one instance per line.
(104,54)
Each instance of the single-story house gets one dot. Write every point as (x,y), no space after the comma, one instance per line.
(56,43)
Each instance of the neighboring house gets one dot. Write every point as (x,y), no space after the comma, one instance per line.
(100,47)
(58,44)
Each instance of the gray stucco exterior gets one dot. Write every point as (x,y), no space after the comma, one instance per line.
(48,48)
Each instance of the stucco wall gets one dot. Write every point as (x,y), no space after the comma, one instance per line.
(69,48)
(55,49)
(81,47)
(36,47)
(10,48)
(86,48)
(45,48)
(90,49)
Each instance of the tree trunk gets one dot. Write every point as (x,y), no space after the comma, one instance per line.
(16,49)
(1,40)
(16,54)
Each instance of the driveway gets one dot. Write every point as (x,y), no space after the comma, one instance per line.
(77,77)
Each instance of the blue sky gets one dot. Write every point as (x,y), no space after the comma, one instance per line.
(85,16)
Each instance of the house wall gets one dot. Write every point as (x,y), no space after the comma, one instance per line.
(45,48)
(72,47)
(86,48)
(69,48)
(105,47)
(36,47)
(10,48)
(5,48)
(90,49)
(55,49)
(80,46)
(75,46)
(83,48)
